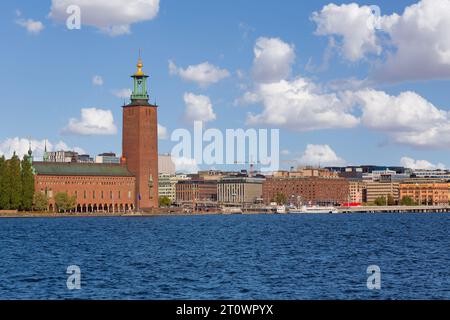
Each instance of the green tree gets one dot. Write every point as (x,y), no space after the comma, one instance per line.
(40,202)
(15,180)
(4,184)
(64,203)
(407,201)
(27,184)
(280,199)
(165,201)
(391,201)
(381,201)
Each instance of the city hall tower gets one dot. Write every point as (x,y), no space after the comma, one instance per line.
(140,141)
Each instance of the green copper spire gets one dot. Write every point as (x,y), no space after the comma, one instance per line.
(140,83)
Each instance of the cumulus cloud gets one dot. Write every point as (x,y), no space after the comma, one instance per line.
(21,145)
(93,121)
(349,22)
(415,44)
(408,118)
(97,80)
(300,106)
(162,132)
(420,164)
(296,104)
(32,26)
(122,93)
(420,37)
(198,108)
(320,155)
(111,17)
(204,74)
(273,60)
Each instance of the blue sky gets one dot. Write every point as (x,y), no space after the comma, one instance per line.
(46,74)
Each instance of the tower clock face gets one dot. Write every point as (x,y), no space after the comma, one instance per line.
(139,81)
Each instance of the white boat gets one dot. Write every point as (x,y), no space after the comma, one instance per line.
(232,210)
(314,209)
(281,209)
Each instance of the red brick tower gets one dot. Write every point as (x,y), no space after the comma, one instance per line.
(140,142)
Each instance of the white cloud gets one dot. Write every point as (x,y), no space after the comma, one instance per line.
(422,43)
(273,60)
(122,93)
(408,118)
(285,152)
(296,104)
(185,165)
(349,22)
(415,43)
(198,108)
(97,80)
(32,26)
(162,132)
(113,17)
(93,122)
(320,155)
(21,146)
(420,164)
(300,106)
(204,74)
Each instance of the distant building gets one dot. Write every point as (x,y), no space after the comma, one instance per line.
(60,156)
(306,172)
(211,174)
(84,158)
(167,185)
(385,176)
(66,157)
(357,190)
(426,193)
(377,189)
(166,165)
(239,190)
(430,174)
(314,190)
(107,158)
(196,191)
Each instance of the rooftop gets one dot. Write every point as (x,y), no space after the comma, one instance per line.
(81,169)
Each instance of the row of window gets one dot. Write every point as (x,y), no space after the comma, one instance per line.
(85,183)
(101,194)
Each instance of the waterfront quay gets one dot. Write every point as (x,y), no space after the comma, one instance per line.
(395,209)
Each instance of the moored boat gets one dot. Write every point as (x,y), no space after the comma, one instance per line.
(314,209)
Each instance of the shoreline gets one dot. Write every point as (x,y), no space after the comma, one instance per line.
(31,215)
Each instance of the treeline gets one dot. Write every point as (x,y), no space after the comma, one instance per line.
(16,184)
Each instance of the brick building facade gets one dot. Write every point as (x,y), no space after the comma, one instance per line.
(320,191)
(196,190)
(96,187)
(425,193)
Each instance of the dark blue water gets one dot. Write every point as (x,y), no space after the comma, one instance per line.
(227,257)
